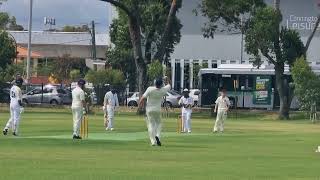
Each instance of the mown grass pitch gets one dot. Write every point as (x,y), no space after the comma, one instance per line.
(254,146)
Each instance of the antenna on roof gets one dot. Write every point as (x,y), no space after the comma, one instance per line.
(51,21)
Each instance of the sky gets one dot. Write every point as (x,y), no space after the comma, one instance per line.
(66,12)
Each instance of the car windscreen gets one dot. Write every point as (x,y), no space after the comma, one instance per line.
(174,92)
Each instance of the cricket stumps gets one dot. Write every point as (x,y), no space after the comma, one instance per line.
(84,128)
(180,125)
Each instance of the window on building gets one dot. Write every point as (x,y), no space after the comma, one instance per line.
(318,63)
(223,62)
(233,62)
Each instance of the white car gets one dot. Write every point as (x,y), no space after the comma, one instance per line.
(133,100)
(194,93)
(171,99)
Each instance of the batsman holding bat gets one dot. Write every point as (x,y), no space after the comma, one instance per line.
(186,102)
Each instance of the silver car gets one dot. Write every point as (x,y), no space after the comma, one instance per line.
(49,95)
(171,99)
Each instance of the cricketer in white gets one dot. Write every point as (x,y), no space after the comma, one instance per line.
(16,108)
(221,108)
(111,102)
(186,102)
(78,107)
(154,96)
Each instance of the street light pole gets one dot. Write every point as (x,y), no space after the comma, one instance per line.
(29,40)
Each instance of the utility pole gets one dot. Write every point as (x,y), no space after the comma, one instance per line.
(29,40)
(93,35)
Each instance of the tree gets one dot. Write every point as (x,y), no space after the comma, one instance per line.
(155,70)
(8,73)
(120,56)
(9,23)
(108,76)
(7,49)
(59,69)
(307,84)
(227,15)
(153,25)
(68,28)
(75,74)
(280,46)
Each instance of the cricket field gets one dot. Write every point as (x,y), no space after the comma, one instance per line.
(254,146)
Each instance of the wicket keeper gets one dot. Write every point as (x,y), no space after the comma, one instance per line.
(186,102)
(78,107)
(16,108)
(221,108)
(154,96)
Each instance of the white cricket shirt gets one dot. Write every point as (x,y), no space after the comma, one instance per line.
(154,97)
(222,103)
(15,95)
(77,97)
(186,101)
(111,99)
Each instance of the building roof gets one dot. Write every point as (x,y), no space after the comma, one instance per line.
(23,52)
(60,38)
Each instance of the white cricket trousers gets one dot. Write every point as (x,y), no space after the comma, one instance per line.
(77,113)
(14,120)
(110,116)
(221,117)
(186,118)
(154,125)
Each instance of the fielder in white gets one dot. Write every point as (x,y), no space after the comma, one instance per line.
(78,107)
(154,96)
(110,103)
(221,108)
(186,102)
(16,108)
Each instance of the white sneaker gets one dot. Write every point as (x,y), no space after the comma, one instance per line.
(189,131)
(107,129)
(111,129)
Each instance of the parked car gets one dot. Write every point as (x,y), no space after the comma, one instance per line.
(171,99)
(194,93)
(49,95)
(133,100)
(5,95)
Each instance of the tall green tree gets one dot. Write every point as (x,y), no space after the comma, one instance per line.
(7,49)
(153,29)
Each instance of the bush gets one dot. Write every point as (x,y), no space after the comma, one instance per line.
(307,84)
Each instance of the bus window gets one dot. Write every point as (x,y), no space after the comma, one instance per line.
(250,82)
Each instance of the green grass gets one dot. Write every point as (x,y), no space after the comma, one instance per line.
(254,146)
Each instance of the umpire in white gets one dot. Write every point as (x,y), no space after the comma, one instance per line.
(78,107)
(110,103)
